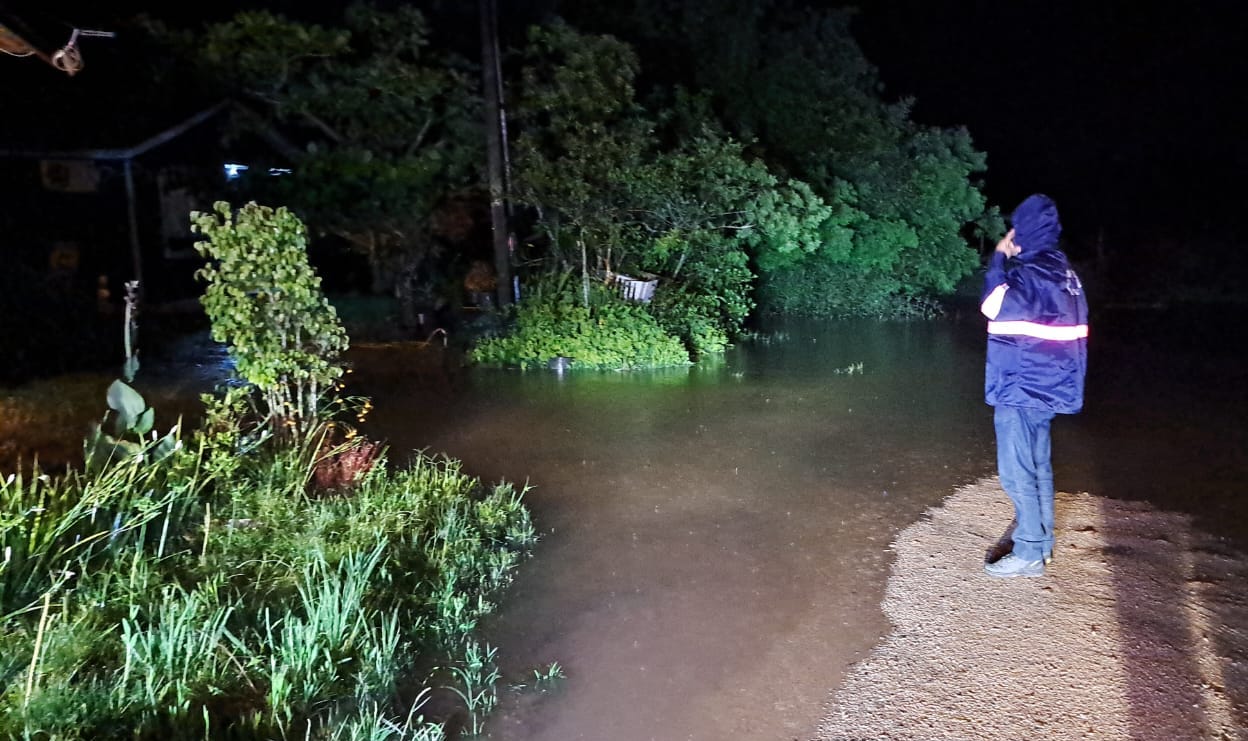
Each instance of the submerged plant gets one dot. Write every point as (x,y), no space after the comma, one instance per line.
(609,334)
(477,686)
(547,678)
(372,723)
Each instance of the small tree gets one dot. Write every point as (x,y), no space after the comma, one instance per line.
(583,139)
(265,302)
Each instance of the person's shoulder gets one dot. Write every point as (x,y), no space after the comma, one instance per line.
(1052,257)
(1050,262)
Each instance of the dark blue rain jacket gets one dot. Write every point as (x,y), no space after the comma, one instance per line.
(1037,332)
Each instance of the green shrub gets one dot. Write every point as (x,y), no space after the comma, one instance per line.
(265,302)
(711,299)
(692,317)
(609,334)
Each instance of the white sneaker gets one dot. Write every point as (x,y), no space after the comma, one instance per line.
(1011,565)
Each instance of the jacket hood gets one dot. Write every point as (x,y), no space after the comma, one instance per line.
(1036,225)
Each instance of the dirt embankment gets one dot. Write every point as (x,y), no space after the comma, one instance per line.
(1138,631)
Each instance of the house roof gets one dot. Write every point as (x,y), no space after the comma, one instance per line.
(120,153)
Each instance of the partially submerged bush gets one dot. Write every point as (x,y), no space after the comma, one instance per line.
(609,334)
(693,318)
(802,290)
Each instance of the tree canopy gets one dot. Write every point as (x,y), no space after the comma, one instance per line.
(379,126)
(741,152)
(879,203)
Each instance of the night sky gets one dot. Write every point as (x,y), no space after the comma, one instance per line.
(1131,115)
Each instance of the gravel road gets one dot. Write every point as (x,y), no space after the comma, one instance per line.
(1139,630)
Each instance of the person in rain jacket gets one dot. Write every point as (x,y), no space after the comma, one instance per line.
(1037,359)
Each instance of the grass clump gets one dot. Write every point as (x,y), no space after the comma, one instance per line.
(217,593)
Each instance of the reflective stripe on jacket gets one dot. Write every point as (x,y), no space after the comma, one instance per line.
(1037,332)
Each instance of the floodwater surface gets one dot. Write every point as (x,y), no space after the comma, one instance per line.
(715,540)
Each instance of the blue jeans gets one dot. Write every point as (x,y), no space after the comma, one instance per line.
(1026,470)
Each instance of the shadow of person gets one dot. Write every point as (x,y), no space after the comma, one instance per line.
(1003,546)
(1181,623)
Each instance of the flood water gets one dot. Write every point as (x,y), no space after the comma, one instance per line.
(715,539)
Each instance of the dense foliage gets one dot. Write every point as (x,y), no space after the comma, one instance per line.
(875,205)
(618,189)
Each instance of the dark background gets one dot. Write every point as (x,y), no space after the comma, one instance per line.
(1131,115)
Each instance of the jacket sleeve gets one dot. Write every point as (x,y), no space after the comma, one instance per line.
(1009,293)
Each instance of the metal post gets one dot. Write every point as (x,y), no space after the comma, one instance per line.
(491,84)
(136,254)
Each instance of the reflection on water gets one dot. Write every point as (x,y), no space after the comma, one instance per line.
(716,537)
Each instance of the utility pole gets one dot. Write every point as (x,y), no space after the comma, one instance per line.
(491,79)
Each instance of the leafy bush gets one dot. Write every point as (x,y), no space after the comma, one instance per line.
(265,302)
(692,317)
(709,288)
(609,334)
(789,150)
